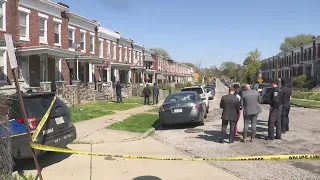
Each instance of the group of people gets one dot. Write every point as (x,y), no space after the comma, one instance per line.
(247,100)
(146,93)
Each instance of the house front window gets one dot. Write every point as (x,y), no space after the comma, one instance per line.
(71,37)
(92,44)
(130,52)
(125,54)
(108,47)
(3,63)
(24,24)
(57,33)
(3,15)
(120,53)
(83,41)
(114,53)
(43,20)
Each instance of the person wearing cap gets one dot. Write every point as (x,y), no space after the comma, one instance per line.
(275,112)
(285,106)
(231,108)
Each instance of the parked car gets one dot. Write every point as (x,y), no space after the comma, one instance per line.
(265,95)
(58,130)
(210,92)
(199,90)
(258,87)
(182,107)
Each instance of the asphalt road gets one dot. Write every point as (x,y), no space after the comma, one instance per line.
(303,138)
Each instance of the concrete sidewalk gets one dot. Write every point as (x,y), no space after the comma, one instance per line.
(81,167)
(89,127)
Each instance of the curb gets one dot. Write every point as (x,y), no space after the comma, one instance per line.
(142,136)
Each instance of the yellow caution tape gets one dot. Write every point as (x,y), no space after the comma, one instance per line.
(244,158)
(43,120)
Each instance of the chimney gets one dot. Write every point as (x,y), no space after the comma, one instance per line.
(62,4)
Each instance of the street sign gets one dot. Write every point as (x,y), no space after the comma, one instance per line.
(260,80)
(11,53)
(196,75)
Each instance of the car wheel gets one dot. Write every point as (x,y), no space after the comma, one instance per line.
(201,123)
(208,109)
(205,115)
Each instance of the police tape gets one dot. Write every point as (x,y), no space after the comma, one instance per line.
(43,120)
(244,158)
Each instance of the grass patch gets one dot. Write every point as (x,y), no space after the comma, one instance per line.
(83,113)
(17,177)
(136,123)
(305,103)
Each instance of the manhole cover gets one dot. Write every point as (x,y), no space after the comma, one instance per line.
(193,130)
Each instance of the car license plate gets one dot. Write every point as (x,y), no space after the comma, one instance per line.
(59,120)
(177,110)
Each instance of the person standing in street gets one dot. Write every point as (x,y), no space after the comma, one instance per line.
(146,92)
(251,109)
(155,97)
(275,112)
(118,92)
(286,90)
(237,94)
(231,107)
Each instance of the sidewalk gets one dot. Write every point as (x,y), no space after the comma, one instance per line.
(86,128)
(82,167)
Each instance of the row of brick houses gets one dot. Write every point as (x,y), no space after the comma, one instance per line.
(58,48)
(303,60)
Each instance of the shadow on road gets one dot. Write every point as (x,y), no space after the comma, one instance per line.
(147,178)
(46,160)
(176,126)
(212,135)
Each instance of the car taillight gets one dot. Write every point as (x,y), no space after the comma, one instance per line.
(161,109)
(195,106)
(31,121)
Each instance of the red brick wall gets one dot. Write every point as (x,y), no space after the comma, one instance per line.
(104,49)
(65,71)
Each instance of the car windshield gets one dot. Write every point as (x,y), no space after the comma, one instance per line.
(261,86)
(181,97)
(197,90)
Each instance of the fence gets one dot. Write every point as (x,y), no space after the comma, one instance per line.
(6,163)
(306,95)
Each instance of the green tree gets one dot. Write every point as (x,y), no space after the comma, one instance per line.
(301,81)
(252,64)
(162,52)
(295,41)
(229,69)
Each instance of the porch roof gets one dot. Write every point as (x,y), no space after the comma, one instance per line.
(150,71)
(53,51)
(161,76)
(93,59)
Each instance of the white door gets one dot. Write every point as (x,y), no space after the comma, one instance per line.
(24,69)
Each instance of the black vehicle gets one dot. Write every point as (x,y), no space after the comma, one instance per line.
(258,87)
(58,130)
(182,107)
(265,95)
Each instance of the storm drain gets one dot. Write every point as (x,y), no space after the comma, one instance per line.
(193,130)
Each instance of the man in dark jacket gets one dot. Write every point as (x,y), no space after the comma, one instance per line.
(146,92)
(155,93)
(118,92)
(275,112)
(286,90)
(231,108)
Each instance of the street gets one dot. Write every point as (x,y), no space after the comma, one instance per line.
(303,138)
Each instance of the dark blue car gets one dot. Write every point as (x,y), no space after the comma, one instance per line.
(58,130)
